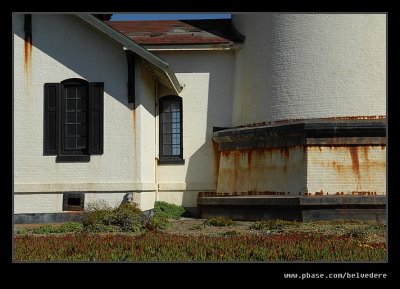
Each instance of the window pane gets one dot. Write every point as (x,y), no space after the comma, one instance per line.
(82,143)
(71,103)
(166,106)
(81,130)
(166,117)
(70,142)
(167,128)
(81,104)
(175,106)
(167,138)
(81,117)
(176,116)
(176,140)
(176,150)
(81,92)
(70,130)
(70,92)
(71,117)
(176,125)
(166,150)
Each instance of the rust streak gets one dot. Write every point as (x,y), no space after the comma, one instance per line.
(285,152)
(366,150)
(217,157)
(355,164)
(134,119)
(248,193)
(338,167)
(236,161)
(226,153)
(27,54)
(288,121)
(249,158)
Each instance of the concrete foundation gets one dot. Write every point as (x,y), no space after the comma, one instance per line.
(365,208)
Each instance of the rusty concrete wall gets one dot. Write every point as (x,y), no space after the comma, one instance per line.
(268,171)
(355,170)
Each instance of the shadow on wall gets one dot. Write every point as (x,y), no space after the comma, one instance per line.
(85,51)
(201,174)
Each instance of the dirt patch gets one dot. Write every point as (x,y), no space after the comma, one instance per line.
(363,231)
(196,227)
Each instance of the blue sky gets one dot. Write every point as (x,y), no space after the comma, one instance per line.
(169,16)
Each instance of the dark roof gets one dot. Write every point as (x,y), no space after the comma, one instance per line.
(162,32)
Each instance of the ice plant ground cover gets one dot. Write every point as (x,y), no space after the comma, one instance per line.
(195,240)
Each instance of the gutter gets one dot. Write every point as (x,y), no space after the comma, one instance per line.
(133,46)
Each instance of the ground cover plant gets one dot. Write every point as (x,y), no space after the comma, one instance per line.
(158,246)
(124,233)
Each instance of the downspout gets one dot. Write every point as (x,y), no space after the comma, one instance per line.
(155,139)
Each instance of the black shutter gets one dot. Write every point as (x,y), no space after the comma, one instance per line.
(51,118)
(96,105)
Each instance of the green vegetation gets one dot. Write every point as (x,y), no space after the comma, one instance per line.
(219,222)
(157,246)
(157,223)
(69,227)
(101,218)
(273,225)
(167,210)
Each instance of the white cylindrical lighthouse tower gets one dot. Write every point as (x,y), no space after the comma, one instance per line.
(305,66)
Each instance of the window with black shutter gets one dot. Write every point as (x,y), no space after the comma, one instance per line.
(73,119)
(171,137)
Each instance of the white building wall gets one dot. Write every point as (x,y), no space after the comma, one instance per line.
(65,47)
(207,77)
(298,66)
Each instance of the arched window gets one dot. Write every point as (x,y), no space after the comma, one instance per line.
(73,119)
(171,146)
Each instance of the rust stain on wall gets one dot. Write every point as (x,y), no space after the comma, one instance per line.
(134,119)
(285,152)
(365,150)
(357,193)
(349,170)
(361,117)
(217,157)
(248,193)
(27,56)
(355,163)
(235,168)
(27,46)
(338,167)
(27,52)
(255,171)
(358,117)
(249,158)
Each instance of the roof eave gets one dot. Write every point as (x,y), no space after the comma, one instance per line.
(133,46)
(183,47)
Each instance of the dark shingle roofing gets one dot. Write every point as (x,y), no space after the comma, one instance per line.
(164,32)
